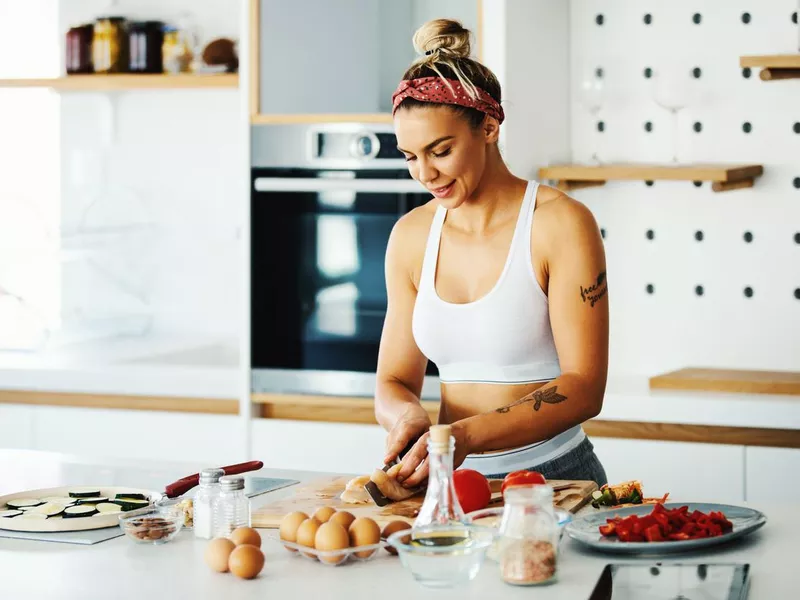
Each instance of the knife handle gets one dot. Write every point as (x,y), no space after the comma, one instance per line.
(180,487)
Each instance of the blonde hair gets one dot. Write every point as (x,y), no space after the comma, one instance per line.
(444,47)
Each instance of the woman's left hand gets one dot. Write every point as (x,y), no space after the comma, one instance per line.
(415,463)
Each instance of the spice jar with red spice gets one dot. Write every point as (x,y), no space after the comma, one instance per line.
(528,549)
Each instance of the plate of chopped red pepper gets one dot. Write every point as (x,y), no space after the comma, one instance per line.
(665,528)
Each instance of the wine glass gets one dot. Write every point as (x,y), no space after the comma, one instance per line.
(673,89)
(591,95)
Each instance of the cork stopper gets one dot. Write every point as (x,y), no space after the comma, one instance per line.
(440,434)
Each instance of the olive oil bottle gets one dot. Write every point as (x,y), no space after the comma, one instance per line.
(441,506)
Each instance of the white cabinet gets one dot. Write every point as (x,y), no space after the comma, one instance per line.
(689,472)
(310,446)
(347,56)
(16,427)
(772,475)
(134,434)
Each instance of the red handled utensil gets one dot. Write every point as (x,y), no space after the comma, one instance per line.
(180,487)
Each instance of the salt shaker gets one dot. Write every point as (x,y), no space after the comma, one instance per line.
(232,507)
(204,499)
(529,536)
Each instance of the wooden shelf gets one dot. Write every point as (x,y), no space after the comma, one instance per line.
(723,177)
(125,81)
(728,380)
(774,66)
(266,119)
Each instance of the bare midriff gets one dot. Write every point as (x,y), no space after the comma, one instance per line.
(462,400)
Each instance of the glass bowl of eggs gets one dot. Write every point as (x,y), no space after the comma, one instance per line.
(335,537)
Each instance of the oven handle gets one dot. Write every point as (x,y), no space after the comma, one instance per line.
(370,186)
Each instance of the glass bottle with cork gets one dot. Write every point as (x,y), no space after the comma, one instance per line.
(441,506)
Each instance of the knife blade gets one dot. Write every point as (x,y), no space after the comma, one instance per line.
(183,485)
(372,488)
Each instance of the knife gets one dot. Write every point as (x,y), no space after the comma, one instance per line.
(372,488)
(180,487)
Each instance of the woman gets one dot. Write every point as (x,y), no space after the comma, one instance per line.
(499,281)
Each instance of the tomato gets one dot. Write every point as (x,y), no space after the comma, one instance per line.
(522,478)
(472,489)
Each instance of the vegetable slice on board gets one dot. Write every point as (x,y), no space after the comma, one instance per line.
(24,502)
(72,512)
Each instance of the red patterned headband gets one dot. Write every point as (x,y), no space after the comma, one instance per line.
(435,90)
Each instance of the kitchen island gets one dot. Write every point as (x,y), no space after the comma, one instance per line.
(120,569)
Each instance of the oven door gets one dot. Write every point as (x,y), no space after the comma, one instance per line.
(318,288)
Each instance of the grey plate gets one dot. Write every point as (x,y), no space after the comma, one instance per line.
(585,529)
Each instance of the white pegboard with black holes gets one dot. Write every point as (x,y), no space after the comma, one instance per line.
(697,278)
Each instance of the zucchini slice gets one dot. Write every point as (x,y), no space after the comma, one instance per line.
(48,509)
(7,514)
(92,500)
(72,512)
(83,492)
(63,500)
(30,515)
(131,504)
(130,497)
(108,508)
(24,502)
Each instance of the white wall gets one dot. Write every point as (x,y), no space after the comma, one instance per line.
(170,160)
(29,194)
(548,50)
(674,327)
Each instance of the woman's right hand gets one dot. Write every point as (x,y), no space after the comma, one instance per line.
(414,422)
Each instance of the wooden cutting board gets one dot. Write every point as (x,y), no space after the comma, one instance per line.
(325,492)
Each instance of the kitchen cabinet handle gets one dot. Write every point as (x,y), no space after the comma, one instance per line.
(369,186)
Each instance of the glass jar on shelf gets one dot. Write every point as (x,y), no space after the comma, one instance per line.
(176,51)
(78,55)
(110,45)
(529,536)
(145,42)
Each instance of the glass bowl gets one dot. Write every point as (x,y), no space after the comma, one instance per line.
(153,525)
(443,555)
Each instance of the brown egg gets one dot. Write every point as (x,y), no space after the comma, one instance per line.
(364,532)
(343,518)
(217,553)
(246,561)
(331,536)
(306,533)
(245,535)
(323,514)
(394,527)
(289,525)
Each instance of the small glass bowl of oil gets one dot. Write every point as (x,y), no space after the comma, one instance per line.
(443,555)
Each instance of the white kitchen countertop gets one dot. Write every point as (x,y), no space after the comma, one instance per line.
(187,367)
(121,569)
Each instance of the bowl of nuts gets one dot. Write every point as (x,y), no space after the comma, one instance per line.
(151,525)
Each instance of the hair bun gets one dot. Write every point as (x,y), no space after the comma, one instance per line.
(445,35)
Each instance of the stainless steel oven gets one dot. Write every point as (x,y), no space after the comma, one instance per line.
(324,199)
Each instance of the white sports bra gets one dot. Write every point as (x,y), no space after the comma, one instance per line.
(503,337)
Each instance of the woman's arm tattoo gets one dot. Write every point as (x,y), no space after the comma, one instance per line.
(548,396)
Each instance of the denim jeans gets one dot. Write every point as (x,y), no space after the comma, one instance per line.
(580,463)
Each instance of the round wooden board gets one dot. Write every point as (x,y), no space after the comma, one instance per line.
(98,521)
